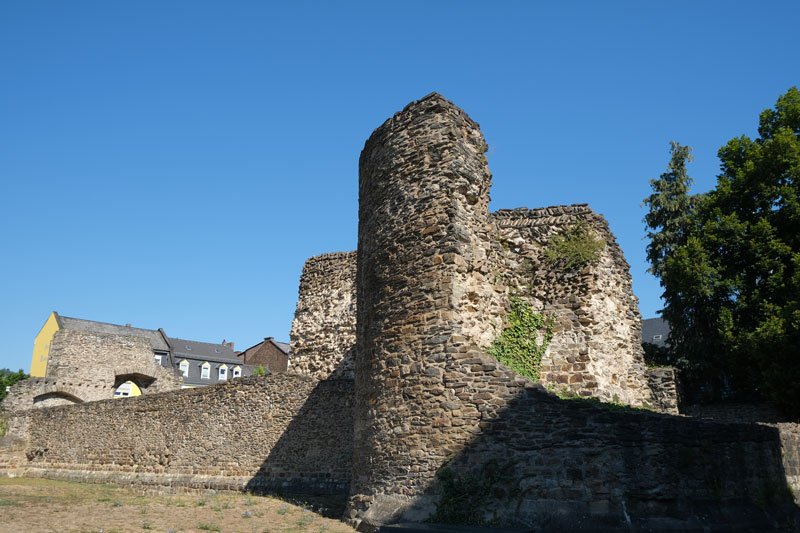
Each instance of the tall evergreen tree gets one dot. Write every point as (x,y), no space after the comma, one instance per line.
(669,206)
(731,270)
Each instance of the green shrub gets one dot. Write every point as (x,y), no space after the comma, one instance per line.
(518,347)
(574,248)
(260,371)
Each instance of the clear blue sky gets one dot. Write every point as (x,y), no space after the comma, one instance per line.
(173,164)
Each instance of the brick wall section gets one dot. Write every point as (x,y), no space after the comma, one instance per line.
(266,354)
(323,334)
(282,432)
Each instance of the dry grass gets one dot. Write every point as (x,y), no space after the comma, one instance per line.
(34,505)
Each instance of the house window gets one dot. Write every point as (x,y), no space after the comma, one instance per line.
(205,371)
(123,391)
(656,337)
(184,366)
(157,358)
(223,373)
(129,388)
(237,371)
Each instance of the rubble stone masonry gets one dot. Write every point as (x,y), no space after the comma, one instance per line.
(323,332)
(430,424)
(86,367)
(279,433)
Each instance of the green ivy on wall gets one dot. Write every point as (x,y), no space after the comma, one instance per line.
(518,347)
(574,248)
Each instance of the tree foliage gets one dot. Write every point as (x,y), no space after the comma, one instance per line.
(729,260)
(8,378)
(670,206)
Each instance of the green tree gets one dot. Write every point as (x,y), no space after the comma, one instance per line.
(670,207)
(8,378)
(731,277)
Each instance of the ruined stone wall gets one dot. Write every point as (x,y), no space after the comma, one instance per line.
(84,367)
(663,384)
(578,465)
(97,358)
(596,350)
(323,332)
(282,432)
(435,274)
(45,392)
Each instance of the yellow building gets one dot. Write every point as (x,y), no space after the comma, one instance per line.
(41,346)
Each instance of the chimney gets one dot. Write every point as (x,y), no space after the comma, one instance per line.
(228,344)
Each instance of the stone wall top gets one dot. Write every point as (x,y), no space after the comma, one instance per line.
(542,215)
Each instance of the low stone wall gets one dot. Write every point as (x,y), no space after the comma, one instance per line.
(763,413)
(279,433)
(577,464)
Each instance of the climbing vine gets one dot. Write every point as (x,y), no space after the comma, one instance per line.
(519,347)
(574,248)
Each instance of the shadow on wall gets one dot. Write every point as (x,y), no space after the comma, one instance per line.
(578,465)
(312,461)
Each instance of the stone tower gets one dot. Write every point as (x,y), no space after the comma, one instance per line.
(423,298)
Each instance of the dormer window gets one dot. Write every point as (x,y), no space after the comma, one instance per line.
(223,373)
(205,371)
(237,371)
(184,366)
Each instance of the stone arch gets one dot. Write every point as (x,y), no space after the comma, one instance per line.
(54,398)
(141,380)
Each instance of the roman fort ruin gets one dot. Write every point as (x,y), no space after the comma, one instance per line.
(393,402)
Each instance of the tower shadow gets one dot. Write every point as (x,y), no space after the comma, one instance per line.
(311,463)
(547,464)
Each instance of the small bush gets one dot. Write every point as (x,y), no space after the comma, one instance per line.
(260,371)
(574,248)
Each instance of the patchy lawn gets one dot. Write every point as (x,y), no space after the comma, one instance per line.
(39,505)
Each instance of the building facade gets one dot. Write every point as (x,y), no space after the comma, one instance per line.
(269,353)
(76,360)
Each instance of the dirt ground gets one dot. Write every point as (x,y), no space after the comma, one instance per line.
(40,505)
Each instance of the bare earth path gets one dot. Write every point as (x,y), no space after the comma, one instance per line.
(40,505)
